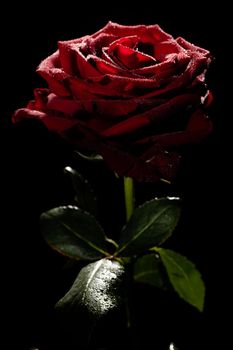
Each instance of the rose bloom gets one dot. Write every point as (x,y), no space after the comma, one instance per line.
(133,94)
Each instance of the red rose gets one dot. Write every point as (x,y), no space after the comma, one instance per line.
(133,94)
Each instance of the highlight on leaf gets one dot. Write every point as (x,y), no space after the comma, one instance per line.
(97,289)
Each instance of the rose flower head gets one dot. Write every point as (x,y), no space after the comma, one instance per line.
(133,94)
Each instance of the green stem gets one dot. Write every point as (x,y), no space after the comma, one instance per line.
(129,196)
(129,208)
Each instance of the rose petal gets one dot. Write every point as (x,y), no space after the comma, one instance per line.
(198,128)
(158,33)
(114,108)
(121,30)
(52,122)
(126,85)
(155,115)
(145,33)
(161,165)
(165,48)
(77,40)
(67,57)
(196,66)
(85,90)
(83,138)
(125,164)
(54,75)
(67,106)
(166,69)
(208,99)
(129,57)
(94,44)
(106,67)
(40,102)
(167,163)
(85,68)
(128,41)
(188,46)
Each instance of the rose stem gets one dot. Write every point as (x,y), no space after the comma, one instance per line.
(129,196)
(129,208)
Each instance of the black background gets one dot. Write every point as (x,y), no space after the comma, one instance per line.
(33,181)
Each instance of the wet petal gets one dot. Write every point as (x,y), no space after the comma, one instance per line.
(166,48)
(49,69)
(188,46)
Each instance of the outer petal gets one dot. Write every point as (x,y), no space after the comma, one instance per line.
(188,46)
(53,123)
(40,102)
(68,107)
(162,165)
(157,115)
(49,69)
(121,30)
(153,32)
(67,58)
(198,128)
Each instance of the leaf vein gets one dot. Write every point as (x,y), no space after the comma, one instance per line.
(143,229)
(96,269)
(75,233)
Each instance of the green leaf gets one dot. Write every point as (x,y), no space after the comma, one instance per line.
(97,289)
(84,194)
(184,277)
(150,225)
(149,269)
(74,233)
